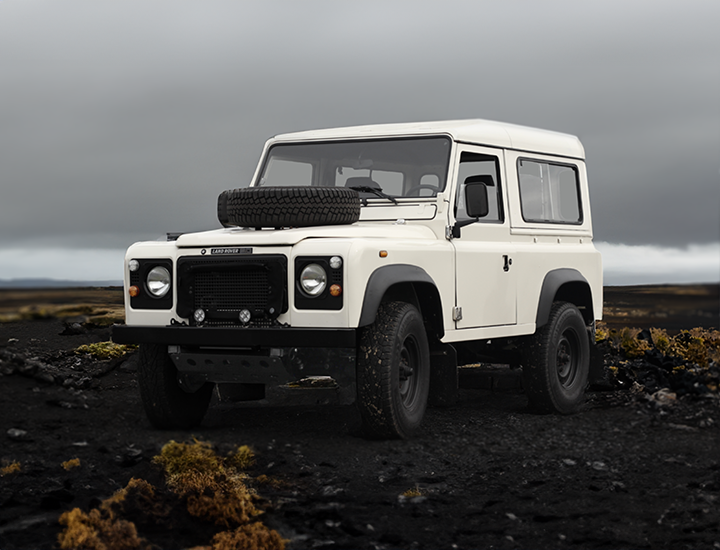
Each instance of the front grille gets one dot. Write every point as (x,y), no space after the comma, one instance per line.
(232,290)
(223,287)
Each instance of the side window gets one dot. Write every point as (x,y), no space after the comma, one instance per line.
(549,192)
(474,164)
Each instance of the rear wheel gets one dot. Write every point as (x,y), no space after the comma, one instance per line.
(166,404)
(557,363)
(393,372)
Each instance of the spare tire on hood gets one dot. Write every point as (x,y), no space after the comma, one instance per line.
(288,206)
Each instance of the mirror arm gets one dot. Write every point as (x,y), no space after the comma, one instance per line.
(460,224)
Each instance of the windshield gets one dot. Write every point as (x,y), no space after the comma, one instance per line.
(380,169)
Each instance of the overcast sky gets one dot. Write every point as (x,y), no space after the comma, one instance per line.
(121,120)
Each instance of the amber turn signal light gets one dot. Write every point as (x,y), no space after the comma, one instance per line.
(133,291)
(383,253)
(335,290)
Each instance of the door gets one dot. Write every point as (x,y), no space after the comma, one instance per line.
(485,279)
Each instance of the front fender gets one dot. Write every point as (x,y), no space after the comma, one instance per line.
(381,280)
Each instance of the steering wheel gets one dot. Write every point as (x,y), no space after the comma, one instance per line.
(415,190)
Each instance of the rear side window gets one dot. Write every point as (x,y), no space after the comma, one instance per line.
(549,192)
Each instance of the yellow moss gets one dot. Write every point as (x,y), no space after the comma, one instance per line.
(254,536)
(274,482)
(210,487)
(140,489)
(660,340)
(413,492)
(70,464)
(198,456)
(73,310)
(10,468)
(107,319)
(601,332)
(223,498)
(694,346)
(9,317)
(98,530)
(242,459)
(214,489)
(631,344)
(104,350)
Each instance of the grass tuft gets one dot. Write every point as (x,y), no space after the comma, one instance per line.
(196,457)
(99,529)
(70,464)
(253,536)
(104,350)
(211,489)
(242,459)
(10,468)
(413,492)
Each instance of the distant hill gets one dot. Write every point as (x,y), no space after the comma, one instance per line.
(53,283)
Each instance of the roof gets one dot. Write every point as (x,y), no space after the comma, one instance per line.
(478,131)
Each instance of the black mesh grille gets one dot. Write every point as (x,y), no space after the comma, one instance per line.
(232,291)
(223,287)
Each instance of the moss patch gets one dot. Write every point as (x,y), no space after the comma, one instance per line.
(70,464)
(210,488)
(105,350)
(8,468)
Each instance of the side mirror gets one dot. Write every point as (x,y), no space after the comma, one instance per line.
(476,199)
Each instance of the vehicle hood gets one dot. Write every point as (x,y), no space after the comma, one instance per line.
(236,236)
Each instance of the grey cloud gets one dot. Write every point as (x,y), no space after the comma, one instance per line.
(121,120)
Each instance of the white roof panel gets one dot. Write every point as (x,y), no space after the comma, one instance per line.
(481,132)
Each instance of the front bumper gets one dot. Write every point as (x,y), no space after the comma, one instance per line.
(235,337)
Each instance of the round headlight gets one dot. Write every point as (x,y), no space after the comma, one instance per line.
(313,279)
(158,281)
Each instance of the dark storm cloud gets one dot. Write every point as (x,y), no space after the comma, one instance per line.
(122,120)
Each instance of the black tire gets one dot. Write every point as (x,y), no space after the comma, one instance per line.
(393,372)
(222,210)
(557,363)
(166,404)
(288,206)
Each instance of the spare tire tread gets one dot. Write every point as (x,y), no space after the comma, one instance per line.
(222,210)
(288,206)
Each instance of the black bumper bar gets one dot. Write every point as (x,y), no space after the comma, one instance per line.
(235,337)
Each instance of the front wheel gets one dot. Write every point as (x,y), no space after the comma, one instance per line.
(557,363)
(393,372)
(167,405)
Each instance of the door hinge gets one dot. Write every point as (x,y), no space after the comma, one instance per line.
(457,314)
(449,232)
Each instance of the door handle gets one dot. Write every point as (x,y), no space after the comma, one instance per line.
(507,262)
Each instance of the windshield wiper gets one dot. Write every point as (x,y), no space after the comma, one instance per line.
(374,191)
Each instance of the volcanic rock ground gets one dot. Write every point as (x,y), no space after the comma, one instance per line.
(628,471)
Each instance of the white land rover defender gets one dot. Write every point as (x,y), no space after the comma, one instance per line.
(384,257)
